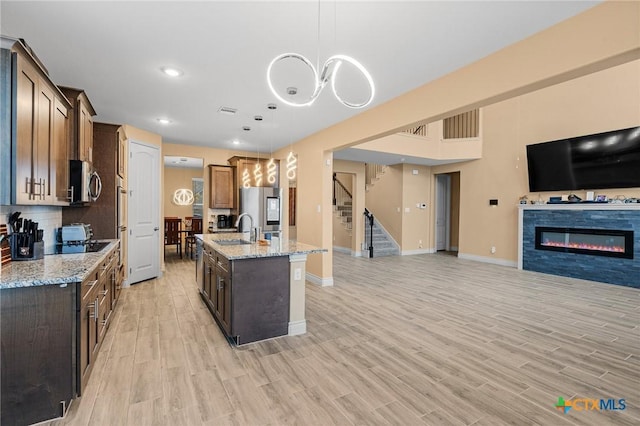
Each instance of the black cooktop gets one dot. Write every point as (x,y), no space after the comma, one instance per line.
(88,247)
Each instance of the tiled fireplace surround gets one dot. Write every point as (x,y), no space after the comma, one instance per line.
(610,270)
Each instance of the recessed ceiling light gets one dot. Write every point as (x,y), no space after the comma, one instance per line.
(292,90)
(236,142)
(171,72)
(164,121)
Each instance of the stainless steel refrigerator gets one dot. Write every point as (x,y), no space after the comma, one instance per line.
(264,205)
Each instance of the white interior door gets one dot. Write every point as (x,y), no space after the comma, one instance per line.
(144,211)
(443,206)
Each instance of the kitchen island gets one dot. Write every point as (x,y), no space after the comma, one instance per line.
(54,313)
(253,291)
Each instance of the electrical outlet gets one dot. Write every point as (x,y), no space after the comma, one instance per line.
(493,249)
(297,274)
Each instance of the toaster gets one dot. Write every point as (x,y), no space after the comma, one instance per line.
(75,232)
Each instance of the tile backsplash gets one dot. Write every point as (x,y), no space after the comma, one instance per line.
(49,218)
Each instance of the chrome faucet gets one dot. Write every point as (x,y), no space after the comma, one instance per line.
(252,231)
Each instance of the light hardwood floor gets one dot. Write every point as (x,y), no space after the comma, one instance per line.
(426,339)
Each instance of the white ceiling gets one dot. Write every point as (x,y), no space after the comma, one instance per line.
(114,50)
(183,162)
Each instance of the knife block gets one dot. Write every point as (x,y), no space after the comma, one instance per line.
(34,251)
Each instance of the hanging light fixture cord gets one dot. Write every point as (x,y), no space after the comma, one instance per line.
(329,73)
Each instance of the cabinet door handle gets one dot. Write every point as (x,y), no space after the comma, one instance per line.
(91,283)
(43,188)
(70,192)
(97,309)
(94,308)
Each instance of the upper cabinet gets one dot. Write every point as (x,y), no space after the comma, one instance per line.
(81,117)
(221,187)
(39,131)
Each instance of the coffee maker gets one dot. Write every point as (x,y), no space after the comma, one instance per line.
(223,221)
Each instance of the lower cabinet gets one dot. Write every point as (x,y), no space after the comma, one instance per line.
(49,340)
(249,298)
(94,314)
(88,335)
(38,352)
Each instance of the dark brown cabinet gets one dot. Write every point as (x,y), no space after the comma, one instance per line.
(41,136)
(38,352)
(223,292)
(249,298)
(81,117)
(88,335)
(221,187)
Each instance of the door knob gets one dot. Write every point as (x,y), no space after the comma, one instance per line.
(156,228)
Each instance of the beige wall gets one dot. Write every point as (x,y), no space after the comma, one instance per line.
(209,156)
(345,179)
(384,200)
(416,188)
(454,218)
(603,101)
(341,236)
(600,38)
(356,171)
(177,178)
(393,201)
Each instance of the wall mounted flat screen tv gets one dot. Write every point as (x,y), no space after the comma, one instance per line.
(600,161)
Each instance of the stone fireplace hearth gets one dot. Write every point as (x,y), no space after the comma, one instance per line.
(598,242)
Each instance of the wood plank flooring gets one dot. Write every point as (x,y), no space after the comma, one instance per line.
(412,340)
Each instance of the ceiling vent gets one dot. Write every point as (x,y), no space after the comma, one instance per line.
(227,110)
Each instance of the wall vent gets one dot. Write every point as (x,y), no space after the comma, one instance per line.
(227,110)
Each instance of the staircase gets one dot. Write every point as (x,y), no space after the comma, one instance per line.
(383,244)
(372,173)
(342,204)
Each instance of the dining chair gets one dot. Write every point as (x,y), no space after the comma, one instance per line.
(172,235)
(195,227)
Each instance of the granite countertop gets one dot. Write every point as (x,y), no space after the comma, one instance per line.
(52,269)
(248,251)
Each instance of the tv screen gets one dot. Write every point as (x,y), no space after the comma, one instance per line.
(600,161)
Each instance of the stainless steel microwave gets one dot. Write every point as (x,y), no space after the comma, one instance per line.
(84,182)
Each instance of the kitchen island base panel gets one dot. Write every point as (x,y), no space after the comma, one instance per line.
(38,353)
(297,294)
(259,299)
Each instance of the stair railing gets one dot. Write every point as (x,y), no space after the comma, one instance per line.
(369,216)
(340,192)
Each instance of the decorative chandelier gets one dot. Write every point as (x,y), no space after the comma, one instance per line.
(329,73)
(183,197)
(291,165)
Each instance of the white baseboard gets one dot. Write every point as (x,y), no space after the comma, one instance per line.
(486,259)
(418,251)
(297,327)
(347,251)
(322,282)
(453,248)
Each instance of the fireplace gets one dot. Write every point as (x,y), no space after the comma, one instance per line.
(597,242)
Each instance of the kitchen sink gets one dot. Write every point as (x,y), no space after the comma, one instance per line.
(231,242)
